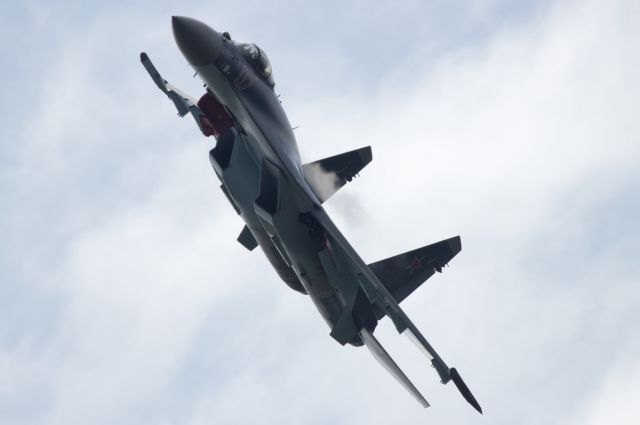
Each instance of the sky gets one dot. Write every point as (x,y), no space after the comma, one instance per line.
(124,297)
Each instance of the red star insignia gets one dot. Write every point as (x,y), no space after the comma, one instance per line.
(415,264)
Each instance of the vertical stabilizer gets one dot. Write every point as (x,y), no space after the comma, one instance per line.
(387,362)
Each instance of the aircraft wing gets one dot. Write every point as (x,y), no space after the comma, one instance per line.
(380,297)
(184,103)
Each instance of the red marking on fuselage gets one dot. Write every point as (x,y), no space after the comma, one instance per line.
(216,117)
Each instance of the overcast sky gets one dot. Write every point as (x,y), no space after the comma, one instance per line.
(124,297)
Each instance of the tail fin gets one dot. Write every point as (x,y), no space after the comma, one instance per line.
(326,176)
(404,273)
(464,390)
(387,362)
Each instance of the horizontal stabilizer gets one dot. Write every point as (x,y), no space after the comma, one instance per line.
(327,175)
(404,273)
(387,362)
(247,240)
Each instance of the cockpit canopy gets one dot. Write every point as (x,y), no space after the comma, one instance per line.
(258,60)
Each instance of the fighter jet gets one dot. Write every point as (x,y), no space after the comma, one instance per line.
(280,199)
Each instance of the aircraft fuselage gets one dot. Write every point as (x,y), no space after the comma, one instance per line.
(265,136)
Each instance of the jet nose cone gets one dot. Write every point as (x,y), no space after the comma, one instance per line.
(198,42)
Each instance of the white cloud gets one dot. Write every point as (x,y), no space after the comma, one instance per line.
(616,401)
(526,145)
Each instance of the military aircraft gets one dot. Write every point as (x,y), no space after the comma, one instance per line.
(280,199)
